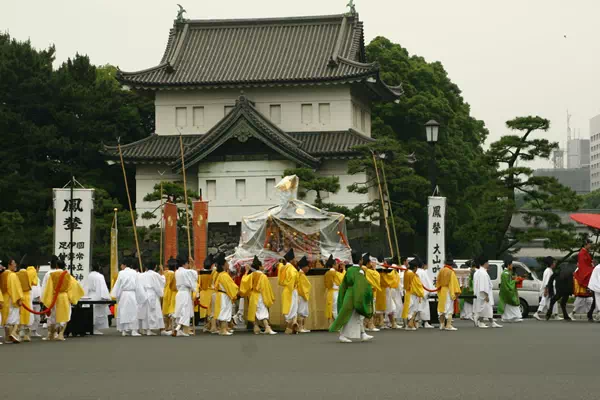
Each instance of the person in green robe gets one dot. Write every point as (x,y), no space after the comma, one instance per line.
(466,304)
(355,303)
(509,304)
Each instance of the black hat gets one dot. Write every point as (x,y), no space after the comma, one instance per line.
(482,260)
(208,262)
(395,260)
(330,261)
(53,261)
(126,261)
(380,258)
(414,263)
(182,260)
(355,258)
(256,264)
(220,260)
(449,259)
(172,263)
(60,264)
(508,260)
(548,261)
(366,258)
(403,259)
(303,262)
(289,256)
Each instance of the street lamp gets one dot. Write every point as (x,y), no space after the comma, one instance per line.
(432,129)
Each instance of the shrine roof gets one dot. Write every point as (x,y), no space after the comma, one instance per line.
(244,121)
(261,52)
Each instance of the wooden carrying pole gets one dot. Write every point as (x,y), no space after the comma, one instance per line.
(387,228)
(162,223)
(187,220)
(137,244)
(387,190)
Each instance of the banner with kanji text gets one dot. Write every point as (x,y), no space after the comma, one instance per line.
(436,236)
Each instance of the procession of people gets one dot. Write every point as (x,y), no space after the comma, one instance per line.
(363,296)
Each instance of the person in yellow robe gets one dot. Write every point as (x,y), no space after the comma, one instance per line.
(413,295)
(386,280)
(374,279)
(333,279)
(69,292)
(390,280)
(168,301)
(287,277)
(227,292)
(28,279)
(12,293)
(207,293)
(256,288)
(448,291)
(304,287)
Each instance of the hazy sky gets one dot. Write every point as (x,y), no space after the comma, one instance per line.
(510,57)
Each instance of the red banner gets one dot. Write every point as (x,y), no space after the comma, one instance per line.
(200,221)
(170,215)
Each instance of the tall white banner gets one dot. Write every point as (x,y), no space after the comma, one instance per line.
(79,249)
(436,234)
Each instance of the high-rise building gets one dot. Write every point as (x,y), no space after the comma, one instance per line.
(595,152)
(578,153)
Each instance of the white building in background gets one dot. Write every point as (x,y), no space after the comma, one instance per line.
(595,152)
(578,153)
(251,98)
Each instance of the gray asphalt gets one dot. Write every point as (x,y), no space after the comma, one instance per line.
(531,360)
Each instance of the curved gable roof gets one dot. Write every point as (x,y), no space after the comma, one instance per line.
(242,122)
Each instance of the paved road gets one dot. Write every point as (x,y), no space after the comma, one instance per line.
(532,360)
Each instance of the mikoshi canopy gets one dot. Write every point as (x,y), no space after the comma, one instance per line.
(591,220)
(310,231)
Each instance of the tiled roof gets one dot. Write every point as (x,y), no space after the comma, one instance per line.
(305,148)
(334,143)
(154,148)
(217,53)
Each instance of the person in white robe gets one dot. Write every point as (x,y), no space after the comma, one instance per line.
(484,302)
(186,280)
(36,296)
(424,311)
(594,284)
(95,289)
(129,295)
(150,312)
(545,299)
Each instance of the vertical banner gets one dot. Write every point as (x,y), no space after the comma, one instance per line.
(200,221)
(74,214)
(114,253)
(170,216)
(436,234)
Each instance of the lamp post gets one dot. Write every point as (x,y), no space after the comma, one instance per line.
(432,129)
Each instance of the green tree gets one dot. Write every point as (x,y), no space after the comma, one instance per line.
(542,195)
(53,123)
(428,94)
(591,201)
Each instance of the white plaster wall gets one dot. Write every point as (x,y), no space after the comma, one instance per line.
(226,207)
(214,101)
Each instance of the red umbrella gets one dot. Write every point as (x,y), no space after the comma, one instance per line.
(591,220)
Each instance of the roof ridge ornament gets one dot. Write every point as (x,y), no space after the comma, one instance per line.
(352,7)
(180,13)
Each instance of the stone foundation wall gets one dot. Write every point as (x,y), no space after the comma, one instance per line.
(223,237)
